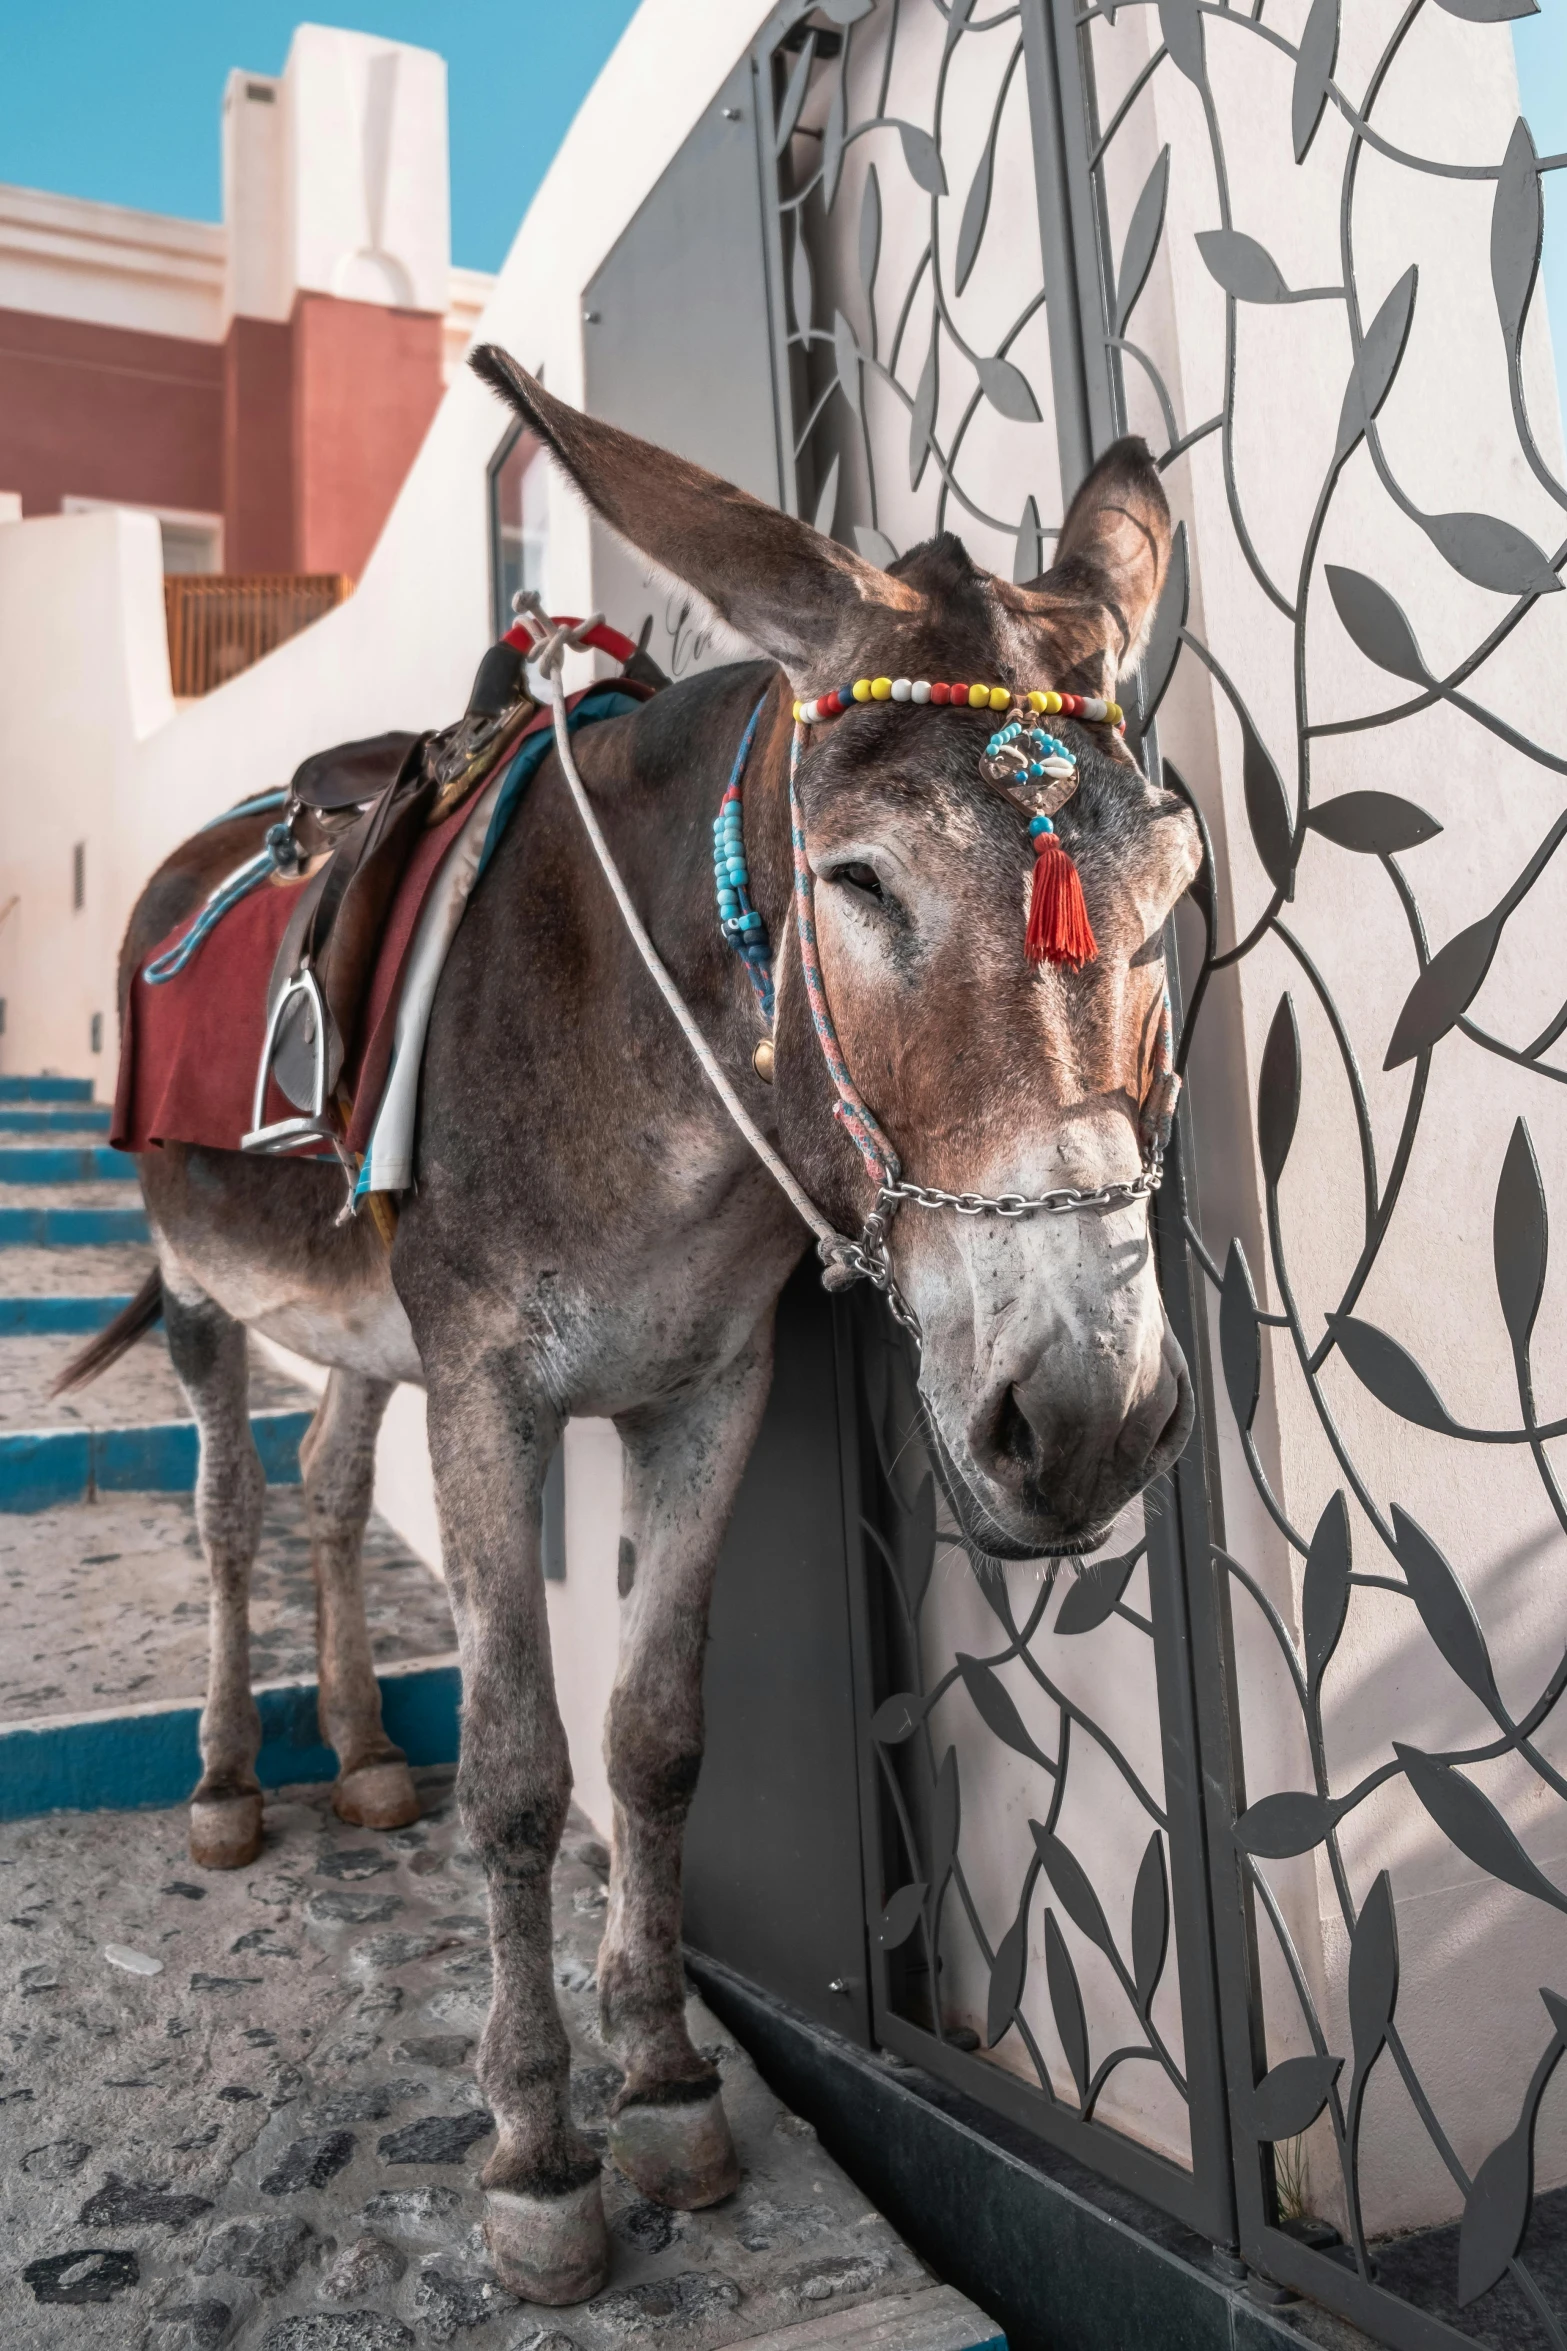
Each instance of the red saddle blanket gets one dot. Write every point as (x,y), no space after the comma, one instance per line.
(190,1047)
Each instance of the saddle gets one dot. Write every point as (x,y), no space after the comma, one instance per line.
(353,817)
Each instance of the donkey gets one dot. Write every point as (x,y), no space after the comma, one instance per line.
(590,1234)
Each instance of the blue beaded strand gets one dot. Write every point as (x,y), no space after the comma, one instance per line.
(738,919)
(1041,747)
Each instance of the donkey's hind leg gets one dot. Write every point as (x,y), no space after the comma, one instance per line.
(375,1789)
(668,2132)
(207,1348)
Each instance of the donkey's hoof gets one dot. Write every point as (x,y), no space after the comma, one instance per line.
(549,2248)
(679,2153)
(225,1831)
(377,1796)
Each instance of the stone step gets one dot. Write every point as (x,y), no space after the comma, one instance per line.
(65,1272)
(130,1431)
(45,1089)
(63,1163)
(104,1604)
(148,1754)
(140,1388)
(100,1223)
(289,2068)
(57,1314)
(42,1468)
(86,1118)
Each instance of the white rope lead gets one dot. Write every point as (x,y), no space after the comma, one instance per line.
(549,658)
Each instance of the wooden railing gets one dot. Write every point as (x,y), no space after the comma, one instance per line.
(221,622)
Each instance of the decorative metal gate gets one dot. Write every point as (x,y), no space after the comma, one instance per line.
(1237,1866)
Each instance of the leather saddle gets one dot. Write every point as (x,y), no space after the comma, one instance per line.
(353,817)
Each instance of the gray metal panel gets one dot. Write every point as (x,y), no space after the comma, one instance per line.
(677,347)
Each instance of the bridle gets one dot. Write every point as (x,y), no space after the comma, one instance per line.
(844,1260)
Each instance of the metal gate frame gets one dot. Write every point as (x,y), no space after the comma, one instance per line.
(872,1357)
(1230,2194)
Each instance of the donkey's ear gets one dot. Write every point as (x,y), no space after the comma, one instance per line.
(779,584)
(1111,560)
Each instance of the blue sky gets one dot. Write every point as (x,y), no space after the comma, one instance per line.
(120,101)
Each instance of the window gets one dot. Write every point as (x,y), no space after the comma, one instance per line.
(519,521)
(78,877)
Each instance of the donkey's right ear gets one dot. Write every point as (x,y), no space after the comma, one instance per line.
(781,585)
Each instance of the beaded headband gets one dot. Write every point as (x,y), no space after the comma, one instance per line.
(1020,756)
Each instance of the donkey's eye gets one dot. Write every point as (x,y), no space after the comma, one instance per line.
(860,877)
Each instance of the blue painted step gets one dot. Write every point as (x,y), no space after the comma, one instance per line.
(70,1228)
(40,1089)
(40,1468)
(60,1163)
(93,1118)
(148,1754)
(34,1318)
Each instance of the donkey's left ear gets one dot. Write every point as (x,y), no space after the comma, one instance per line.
(1111,560)
(780,585)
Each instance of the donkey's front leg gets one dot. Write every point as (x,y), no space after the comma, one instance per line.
(207,1348)
(491,1437)
(683,1468)
(375,1788)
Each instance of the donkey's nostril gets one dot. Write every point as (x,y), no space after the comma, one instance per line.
(1014,1439)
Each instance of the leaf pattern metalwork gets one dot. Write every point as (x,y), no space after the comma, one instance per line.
(1091,1600)
(1496,2209)
(1324,1591)
(1066,2004)
(1391,1373)
(1314,63)
(1378,824)
(1289,2097)
(1242,266)
(1469,1820)
(1143,232)
(1377,624)
(1377,363)
(1376,659)
(1150,1922)
(1520,1238)
(1444,991)
(1278,1091)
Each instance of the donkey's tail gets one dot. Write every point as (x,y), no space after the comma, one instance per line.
(109,1344)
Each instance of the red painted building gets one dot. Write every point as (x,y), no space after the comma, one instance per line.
(261,385)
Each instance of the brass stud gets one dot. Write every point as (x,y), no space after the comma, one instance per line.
(762,1061)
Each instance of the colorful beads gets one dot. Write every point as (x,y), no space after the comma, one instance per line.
(738,919)
(1043,701)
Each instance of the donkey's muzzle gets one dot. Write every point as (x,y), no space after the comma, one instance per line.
(1060,1452)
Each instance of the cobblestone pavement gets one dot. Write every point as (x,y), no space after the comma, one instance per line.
(240,2110)
(106,1602)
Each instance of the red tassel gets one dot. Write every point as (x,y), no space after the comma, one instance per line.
(1059,930)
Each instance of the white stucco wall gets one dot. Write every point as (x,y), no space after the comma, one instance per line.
(92,746)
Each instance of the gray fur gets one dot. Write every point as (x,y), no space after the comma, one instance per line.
(589,1235)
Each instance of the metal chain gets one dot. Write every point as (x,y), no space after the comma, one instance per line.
(867,1259)
(1063,1203)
